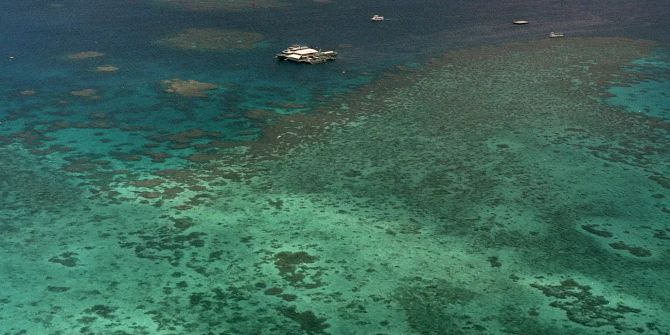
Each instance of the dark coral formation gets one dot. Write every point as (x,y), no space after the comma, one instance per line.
(148,183)
(662,234)
(65,259)
(293,267)
(660,180)
(585,308)
(103,311)
(633,250)
(287,262)
(163,244)
(494,261)
(434,307)
(593,229)
(308,321)
(33,189)
(57,289)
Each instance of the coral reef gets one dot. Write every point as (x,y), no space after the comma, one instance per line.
(107,68)
(583,307)
(633,250)
(66,259)
(211,39)
(308,321)
(418,204)
(593,229)
(85,55)
(432,307)
(188,88)
(86,93)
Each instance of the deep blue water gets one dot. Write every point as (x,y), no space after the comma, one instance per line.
(38,34)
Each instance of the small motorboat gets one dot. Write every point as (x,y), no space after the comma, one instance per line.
(556,35)
(377,18)
(520,21)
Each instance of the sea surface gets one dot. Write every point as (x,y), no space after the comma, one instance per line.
(449,173)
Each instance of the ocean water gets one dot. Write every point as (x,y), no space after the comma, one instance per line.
(449,173)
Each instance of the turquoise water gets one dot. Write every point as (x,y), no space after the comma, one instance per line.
(648,95)
(449,173)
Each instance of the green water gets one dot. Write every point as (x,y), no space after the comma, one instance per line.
(465,200)
(519,187)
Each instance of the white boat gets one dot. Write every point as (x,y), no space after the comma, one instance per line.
(556,35)
(377,18)
(293,48)
(520,21)
(304,54)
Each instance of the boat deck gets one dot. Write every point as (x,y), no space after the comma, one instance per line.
(304,54)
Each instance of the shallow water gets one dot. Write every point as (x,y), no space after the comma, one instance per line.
(449,173)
